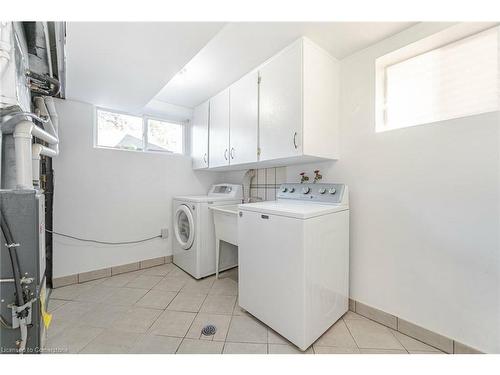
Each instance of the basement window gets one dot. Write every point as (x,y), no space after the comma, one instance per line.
(118,130)
(164,136)
(440,78)
(136,133)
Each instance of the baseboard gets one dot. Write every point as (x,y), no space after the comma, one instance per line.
(83,277)
(428,337)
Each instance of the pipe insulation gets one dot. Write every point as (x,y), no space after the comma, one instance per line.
(47,47)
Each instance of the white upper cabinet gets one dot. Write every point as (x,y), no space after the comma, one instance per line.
(320,103)
(299,105)
(244,120)
(199,136)
(280,126)
(284,112)
(219,130)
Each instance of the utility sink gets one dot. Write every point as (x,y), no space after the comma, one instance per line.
(226,223)
(226,229)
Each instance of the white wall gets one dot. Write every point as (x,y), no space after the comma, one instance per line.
(424,209)
(113,195)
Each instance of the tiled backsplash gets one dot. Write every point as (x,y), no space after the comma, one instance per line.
(266,183)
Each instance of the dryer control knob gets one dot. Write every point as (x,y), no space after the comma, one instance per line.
(322,191)
(332,191)
(292,189)
(284,189)
(306,189)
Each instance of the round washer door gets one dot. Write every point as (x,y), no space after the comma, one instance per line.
(184,226)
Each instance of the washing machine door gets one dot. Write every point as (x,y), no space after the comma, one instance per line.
(184,226)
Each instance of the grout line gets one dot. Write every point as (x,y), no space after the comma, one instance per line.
(415,340)
(388,328)
(227,333)
(393,335)
(347,326)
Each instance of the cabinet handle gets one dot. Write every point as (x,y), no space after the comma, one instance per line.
(295,140)
(205,158)
(225,154)
(232,153)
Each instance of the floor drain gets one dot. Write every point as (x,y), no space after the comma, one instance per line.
(209,330)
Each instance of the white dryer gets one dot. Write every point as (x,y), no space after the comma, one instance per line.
(194,232)
(294,260)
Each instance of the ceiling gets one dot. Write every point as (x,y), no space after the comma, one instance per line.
(122,65)
(240,47)
(166,68)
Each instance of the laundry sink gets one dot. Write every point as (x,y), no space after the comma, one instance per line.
(226,229)
(226,223)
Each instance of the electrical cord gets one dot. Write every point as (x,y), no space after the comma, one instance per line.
(102,242)
(16,270)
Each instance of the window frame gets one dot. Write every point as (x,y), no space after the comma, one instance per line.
(144,118)
(419,47)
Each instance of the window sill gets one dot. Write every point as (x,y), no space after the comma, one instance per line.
(166,153)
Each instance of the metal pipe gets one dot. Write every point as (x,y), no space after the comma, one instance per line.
(43,84)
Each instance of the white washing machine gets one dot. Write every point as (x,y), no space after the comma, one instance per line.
(294,260)
(194,232)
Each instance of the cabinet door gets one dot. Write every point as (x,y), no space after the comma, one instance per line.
(244,120)
(219,130)
(280,107)
(199,136)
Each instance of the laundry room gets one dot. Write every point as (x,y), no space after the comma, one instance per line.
(247,189)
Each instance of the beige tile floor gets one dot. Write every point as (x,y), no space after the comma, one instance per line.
(163,309)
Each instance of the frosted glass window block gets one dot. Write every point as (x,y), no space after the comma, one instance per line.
(456,80)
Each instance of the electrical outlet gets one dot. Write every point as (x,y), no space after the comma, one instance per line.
(164,233)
